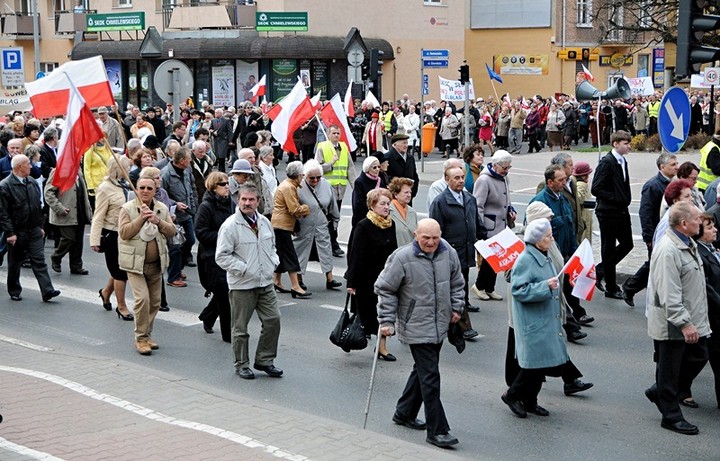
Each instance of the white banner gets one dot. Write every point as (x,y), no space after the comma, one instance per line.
(11,100)
(453,90)
(642,86)
(698,81)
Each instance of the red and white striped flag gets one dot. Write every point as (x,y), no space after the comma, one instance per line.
(587,73)
(348,103)
(295,109)
(258,89)
(502,250)
(315,101)
(581,270)
(334,114)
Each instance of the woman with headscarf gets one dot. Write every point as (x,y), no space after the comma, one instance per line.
(368,180)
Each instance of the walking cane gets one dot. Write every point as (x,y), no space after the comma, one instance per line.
(372,377)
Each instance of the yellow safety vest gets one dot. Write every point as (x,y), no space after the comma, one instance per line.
(387,119)
(654,109)
(706,176)
(338,176)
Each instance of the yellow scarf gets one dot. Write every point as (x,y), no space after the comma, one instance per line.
(379,221)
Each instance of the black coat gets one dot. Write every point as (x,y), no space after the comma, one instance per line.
(20,208)
(399,168)
(650,202)
(242,129)
(211,214)
(362,186)
(711,266)
(48,159)
(609,188)
(460,225)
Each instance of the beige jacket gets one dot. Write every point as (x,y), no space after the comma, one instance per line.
(133,252)
(68,200)
(287,208)
(109,198)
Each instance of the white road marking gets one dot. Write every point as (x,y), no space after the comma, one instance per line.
(25,451)
(155,416)
(20,342)
(332,307)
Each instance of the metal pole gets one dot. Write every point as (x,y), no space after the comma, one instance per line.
(176,93)
(372,376)
(711,110)
(36,35)
(422,110)
(466,113)
(597,125)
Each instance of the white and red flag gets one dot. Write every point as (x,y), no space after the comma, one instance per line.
(581,271)
(334,114)
(50,95)
(295,109)
(370,98)
(81,131)
(502,250)
(348,104)
(258,89)
(587,73)
(315,101)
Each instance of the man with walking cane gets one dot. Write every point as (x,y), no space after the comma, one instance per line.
(421,292)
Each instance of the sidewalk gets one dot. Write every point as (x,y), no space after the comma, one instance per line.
(59,407)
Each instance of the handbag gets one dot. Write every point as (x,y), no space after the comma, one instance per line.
(179,237)
(349,333)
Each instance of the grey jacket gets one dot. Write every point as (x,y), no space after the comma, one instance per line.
(676,293)
(492,194)
(180,189)
(60,201)
(417,293)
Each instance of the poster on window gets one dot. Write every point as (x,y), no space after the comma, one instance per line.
(114,75)
(223,89)
(320,78)
(284,77)
(247,77)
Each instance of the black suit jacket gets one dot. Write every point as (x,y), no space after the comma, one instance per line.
(242,129)
(48,159)
(610,189)
(711,266)
(399,168)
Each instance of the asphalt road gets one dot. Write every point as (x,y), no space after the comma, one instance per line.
(611,421)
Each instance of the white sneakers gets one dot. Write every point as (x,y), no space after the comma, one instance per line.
(485,296)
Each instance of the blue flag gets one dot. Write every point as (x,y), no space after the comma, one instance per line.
(492,74)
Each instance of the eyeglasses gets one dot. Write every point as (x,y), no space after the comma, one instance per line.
(222,184)
(375,167)
(314,177)
(146,188)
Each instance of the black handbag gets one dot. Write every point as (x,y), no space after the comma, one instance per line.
(349,333)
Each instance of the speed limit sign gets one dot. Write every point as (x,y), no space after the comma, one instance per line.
(712,75)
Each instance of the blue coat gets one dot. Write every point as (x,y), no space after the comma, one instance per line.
(563,223)
(536,311)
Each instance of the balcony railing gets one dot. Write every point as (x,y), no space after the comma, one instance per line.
(16,24)
(67,22)
(215,14)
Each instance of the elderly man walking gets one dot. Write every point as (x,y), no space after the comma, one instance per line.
(420,293)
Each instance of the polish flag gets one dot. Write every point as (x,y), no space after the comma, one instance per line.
(295,110)
(349,106)
(50,95)
(581,270)
(587,73)
(370,97)
(334,114)
(315,101)
(258,89)
(263,105)
(502,250)
(81,131)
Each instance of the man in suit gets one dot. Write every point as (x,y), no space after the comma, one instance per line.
(221,131)
(611,188)
(400,164)
(455,209)
(248,122)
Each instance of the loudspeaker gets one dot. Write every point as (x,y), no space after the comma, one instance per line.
(585,91)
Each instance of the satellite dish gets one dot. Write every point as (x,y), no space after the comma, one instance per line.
(163,80)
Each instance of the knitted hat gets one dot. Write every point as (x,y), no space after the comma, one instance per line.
(537,210)
(368,163)
(582,169)
(536,230)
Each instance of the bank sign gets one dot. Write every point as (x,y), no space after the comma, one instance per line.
(115,21)
(266,22)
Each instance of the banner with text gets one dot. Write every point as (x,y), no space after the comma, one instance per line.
(520,64)
(11,100)
(642,86)
(453,90)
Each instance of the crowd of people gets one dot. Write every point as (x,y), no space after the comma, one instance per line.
(153,187)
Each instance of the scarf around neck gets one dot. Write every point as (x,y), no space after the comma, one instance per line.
(379,221)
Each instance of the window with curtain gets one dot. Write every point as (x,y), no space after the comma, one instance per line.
(584,13)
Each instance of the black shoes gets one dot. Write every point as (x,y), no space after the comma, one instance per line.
(585,320)
(279,289)
(333,284)
(651,394)
(271,370)
(297,294)
(303,286)
(128,318)
(538,410)
(471,308)
(338,253)
(81,271)
(387,357)
(416,424)
(470,334)
(681,427)
(442,440)
(190,263)
(164,309)
(575,336)
(55,267)
(16,297)
(106,303)
(245,373)
(50,295)
(599,285)
(614,294)
(576,386)
(516,407)
(628,298)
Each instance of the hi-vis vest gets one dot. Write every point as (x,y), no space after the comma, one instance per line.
(387,120)
(654,109)
(338,176)
(706,176)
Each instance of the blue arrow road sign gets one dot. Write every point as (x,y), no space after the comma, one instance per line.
(674,119)
(437,63)
(435,53)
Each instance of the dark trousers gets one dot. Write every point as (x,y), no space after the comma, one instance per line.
(71,242)
(526,386)
(533,143)
(572,300)
(714,359)
(333,231)
(423,387)
(219,306)
(486,277)
(176,262)
(678,363)
(613,228)
(308,152)
(569,372)
(221,164)
(29,243)
(465,323)
(639,280)
(189,226)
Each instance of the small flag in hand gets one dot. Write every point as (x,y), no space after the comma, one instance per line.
(581,271)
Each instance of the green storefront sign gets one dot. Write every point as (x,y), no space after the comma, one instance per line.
(115,21)
(265,21)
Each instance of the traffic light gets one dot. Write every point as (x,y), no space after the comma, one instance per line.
(365,72)
(692,25)
(464,73)
(376,64)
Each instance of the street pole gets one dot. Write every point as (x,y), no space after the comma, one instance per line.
(466,114)
(422,110)
(36,35)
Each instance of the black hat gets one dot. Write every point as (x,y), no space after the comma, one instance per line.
(380,156)
(151,142)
